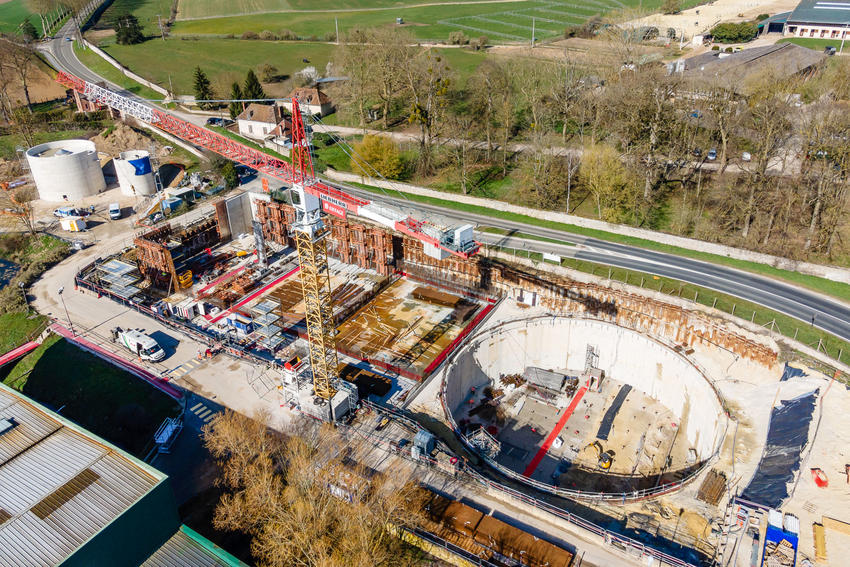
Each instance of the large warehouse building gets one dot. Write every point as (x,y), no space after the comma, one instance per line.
(70,498)
(822,19)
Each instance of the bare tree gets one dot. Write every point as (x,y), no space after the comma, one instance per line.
(768,123)
(19,60)
(22,198)
(723,104)
(486,87)
(567,91)
(352,55)
(464,126)
(824,159)
(302,499)
(429,78)
(533,80)
(42,8)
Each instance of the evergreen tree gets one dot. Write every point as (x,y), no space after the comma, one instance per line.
(128,30)
(203,89)
(252,89)
(28,31)
(236,108)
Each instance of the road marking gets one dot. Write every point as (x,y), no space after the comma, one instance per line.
(205,413)
(210,417)
(196,406)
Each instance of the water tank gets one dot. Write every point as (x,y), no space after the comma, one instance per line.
(135,174)
(66,170)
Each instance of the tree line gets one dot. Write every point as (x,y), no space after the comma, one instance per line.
(622,142)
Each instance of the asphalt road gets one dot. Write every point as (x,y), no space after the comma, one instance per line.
(808,307)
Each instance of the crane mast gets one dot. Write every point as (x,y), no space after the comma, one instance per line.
(311,198)
(310,233)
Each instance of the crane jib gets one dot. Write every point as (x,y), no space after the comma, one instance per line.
(334,201)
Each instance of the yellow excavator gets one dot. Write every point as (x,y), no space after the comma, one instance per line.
(604,458)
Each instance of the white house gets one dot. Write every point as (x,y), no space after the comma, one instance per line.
(311,100)
(258,120)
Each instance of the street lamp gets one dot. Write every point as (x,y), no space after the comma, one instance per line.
(24,293)
(70,324)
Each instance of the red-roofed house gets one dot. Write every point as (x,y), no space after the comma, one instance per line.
(312,100)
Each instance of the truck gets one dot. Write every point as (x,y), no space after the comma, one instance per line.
(114,211)
(139,343)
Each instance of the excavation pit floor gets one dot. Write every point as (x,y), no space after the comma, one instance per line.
(399,330)
(539,442)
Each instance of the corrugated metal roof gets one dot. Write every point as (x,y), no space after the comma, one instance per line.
(821,12)
(184,550)
(59,485)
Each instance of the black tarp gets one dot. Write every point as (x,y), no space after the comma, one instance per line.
(611,413)
(791,372)
(787,435)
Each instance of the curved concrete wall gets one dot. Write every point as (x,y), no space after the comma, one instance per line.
(135,174)
(628,356)
(66,169)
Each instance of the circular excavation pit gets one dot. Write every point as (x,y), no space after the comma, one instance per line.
(583,408)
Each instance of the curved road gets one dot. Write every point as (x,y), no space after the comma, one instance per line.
(809,307)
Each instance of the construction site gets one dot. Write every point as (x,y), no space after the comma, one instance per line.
(642,411)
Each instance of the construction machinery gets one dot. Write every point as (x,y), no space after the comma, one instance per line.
(311,198)
(604,459)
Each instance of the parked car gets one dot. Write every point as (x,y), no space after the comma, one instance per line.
(697,152)
(214,122)
(114,211)
(746,156)
(712,155)
(65,212)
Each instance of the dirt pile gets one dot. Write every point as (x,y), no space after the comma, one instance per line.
(122,138)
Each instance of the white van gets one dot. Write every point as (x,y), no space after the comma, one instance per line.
(114,211)
(138,343)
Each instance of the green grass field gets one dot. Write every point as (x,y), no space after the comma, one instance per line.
(99,396)
(193,9)
(499,21)
(145,10)
(14,12)
(813,43)
(156,59)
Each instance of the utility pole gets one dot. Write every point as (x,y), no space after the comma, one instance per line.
(70,324)
(843,37)
(161,31)
(336,24)
(532,32)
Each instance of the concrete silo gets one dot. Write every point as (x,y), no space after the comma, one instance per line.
(135,174)
(66,170)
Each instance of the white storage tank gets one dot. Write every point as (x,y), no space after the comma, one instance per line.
(135,174)
(66,170)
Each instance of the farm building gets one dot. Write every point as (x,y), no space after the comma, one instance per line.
(824,19)
(743,69)
(68,497)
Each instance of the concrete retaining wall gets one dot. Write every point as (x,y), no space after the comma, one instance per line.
(834,273)
(630,357)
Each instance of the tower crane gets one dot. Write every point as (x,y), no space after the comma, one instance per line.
(312,199)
